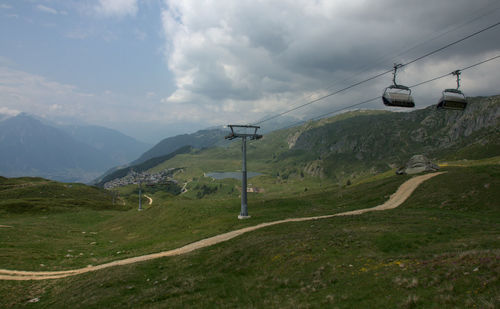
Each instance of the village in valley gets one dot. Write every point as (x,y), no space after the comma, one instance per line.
(142,177)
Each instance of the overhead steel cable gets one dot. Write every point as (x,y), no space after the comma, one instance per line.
(366,67)
(330,113)
(323,97)
(378,75)
(452,43)
(479,63)
(489,12)
(466,68)
(377,98)
(382,59)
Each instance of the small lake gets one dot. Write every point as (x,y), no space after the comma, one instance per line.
(234,175)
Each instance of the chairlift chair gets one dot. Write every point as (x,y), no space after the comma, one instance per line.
(453,98)
(397,95)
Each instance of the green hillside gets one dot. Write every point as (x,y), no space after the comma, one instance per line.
(33,195)
(349,146)
(141,167)
(199,139)
(440,248)
(377,142)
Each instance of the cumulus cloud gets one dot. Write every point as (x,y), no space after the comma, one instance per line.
(118,8)
(9,112)
(245,59)
(24,92)
(33,93)
(46,9)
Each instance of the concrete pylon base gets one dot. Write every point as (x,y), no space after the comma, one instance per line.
(243,217)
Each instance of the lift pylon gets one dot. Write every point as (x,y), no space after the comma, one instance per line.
(243,136)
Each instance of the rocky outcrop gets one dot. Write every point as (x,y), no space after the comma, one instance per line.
(292,139)
(315,169)
(382,139)
(418,164)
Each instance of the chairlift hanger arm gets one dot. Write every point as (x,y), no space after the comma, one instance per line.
(396,67)
(457,74)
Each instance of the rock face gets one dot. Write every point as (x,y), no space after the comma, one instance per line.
(358,142)
(418,164)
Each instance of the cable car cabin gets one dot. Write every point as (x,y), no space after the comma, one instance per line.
(398,95)
(452,99)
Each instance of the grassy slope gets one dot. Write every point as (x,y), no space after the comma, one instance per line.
(47,218)
(313,155)
(440,248)
(340,149)
(103,236)
(37,195)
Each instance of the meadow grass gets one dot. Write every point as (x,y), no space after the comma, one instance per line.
(439,249)
(81,236)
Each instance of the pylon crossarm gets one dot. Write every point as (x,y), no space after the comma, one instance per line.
(252,136)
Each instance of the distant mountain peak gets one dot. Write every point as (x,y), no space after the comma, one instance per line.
(32,147)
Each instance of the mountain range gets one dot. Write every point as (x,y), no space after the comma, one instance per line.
(338,147)
(30,147)
(122,149)
(350,144)
(209,137)
(200,139)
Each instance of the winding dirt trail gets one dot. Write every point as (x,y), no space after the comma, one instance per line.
(396,199)
(149,198)
(184,187)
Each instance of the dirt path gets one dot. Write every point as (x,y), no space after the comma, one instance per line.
(396,199)
(149,198)
(184,187)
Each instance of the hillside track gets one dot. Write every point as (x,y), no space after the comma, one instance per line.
(396,199)
(149,198)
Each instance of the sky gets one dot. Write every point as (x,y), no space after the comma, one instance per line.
(157,68)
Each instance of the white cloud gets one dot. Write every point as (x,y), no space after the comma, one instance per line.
(78,34)
(55,107)
(245,59)
(35,94)
(7,111)
(117,8)
(24,92)
(46,9)
(5,6)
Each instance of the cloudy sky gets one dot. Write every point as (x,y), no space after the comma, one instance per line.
(154,68)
